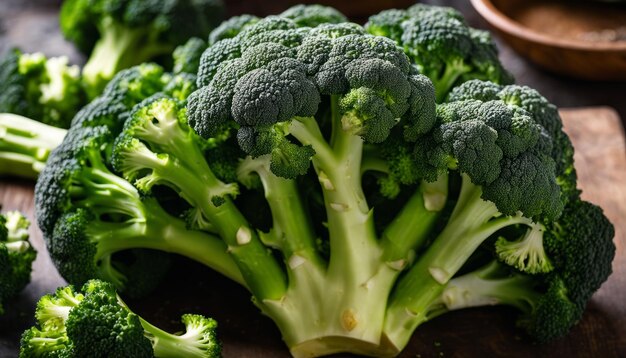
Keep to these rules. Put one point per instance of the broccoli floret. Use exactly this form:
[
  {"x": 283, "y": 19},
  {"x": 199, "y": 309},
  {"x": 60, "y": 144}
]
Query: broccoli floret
[
  {"x": 95, "y": 322},
  {"x": 123, "y": 33},
  {"x": 313, "y": 15},
  {"x": 47, "y": 90},
  {"x": 231, "y": 27},
  {"x": 187, "y": 56},
  {"x": 16, "y": 255},
  {"x": 441, "y": 45}
]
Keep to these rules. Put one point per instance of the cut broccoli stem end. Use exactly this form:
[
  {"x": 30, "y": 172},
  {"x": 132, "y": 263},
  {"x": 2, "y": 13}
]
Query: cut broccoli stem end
[
  {"x": 25, "y": 145},
  {"x": 473, "y": 220},
  {"x": 20, "y": 165},
  {"x": 319, "y": 316}
]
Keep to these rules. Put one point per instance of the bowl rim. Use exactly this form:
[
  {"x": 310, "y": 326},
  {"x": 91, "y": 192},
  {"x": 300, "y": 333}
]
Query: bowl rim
[{"x": 488, "y": 10}]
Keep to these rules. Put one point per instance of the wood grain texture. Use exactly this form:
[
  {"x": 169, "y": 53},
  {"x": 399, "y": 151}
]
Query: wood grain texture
[{"x": 601, "y": 162}]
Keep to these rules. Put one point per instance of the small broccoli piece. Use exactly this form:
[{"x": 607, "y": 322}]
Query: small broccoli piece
[
  {"x": 441, "y": 45},
  {"x": 313, "y": 15},
  {"x": 123, "y": 33},
  {"x": 16, "y": 255},
  {"x": 581, "y": 248},
  {"x": 47, "y": 90},
  {"x": 95, "y": 322},
  {"x": 187, "y": 56}
]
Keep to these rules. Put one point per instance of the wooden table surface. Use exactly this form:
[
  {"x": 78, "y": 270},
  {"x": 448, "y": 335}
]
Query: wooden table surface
[
  {"x": 601, "y": 163},
  {"x": 601, "y": 159}
]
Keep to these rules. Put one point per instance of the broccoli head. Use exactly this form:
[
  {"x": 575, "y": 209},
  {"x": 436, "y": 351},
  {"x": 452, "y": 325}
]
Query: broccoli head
[
  {"x": 441, "y": 45},
  {"x": 95, "y": 322},
  {"x": 123, "y": 33}
]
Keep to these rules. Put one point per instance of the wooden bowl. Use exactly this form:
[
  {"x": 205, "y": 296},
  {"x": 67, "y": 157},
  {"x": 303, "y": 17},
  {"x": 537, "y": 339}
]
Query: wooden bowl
[{"x": 584, "y": 39}]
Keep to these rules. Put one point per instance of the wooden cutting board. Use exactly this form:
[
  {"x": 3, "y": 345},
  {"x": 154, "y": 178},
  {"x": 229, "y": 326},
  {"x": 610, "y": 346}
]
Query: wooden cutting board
[{"x": 598, "y": 137}]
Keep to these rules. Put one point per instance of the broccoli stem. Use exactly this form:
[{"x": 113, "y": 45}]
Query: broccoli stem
[
  {"x": 292, "y": 231},
  {"x": 147, "y": 225},
  {"x": 160, "y": 231},
  {"x": 25, "y": 145},
  {"x": 491, "y": 285},
  {"x": 119, "y": 47},
  {"x": 356, "y": 284},
  {"x": 472, "y": 221},
  {"x": 188, "y": 172},
  {"x": 411, "y": 227},
  {"x": 167, "y": 345},
  {"x": 444, "y": 82}
]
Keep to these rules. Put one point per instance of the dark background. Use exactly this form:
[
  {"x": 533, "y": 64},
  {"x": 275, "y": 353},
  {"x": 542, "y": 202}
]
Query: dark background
[{"x": 33, "y": 26}]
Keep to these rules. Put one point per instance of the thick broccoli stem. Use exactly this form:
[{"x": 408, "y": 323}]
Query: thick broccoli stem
[
  {"x": 148, "y": 225},
  {"x": 357, "y": 281},
  {"x": 119, "y": 47},
  {"x": 25, "y": 145},
  {"x": 411, "y": 227},
  {"x": 167, "y": 345},
  {"x": 292, "y": 231},
  {"x": 471, "y": 223}
]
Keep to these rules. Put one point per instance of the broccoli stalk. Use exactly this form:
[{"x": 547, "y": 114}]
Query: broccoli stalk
[
  {"x": 119, "y": 47},
  {"x": 180, "y": 164},
  {"x": 473, "y": 220},
  {"x": 25, "y": 145},
  {"x": 96, "y": 322}
]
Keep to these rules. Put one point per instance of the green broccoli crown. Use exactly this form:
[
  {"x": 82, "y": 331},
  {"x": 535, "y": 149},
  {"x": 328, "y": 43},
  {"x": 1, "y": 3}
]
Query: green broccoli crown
[
  {"x": 442, "y": 46},
  {"x": 125, "y": 90},
  {"x": 581, "y": 246},
  {"x": 16, "y": 255},
  {"x": 313, "y": 15},
  {"x": 543, "y": 112},
  {"x": 187, "y": 56},
  {"x": 578, "y": 248},
  {"x": 135, "y": 84},
  {"x": 101, "y": 326},
  {"x": 499, "y": 148},
  {"x": 62, "y": 183},
  {"x": 169, "y": 22},
  {"x": 95, "y": 322},
  {"x": 180, "y": 86},
  {"x": 275, "y": 71},
  {"x": 45, "y": 89},
  {"x": 123, "y": 33},
  {"x": 231, "y": 27}
]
